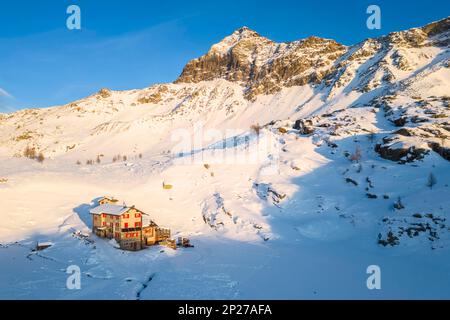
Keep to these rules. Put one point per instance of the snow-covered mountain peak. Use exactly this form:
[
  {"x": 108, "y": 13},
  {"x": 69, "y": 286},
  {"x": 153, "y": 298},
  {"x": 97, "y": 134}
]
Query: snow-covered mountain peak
[
  {"x": 244, "y": 35},
  {"x": 433, "y": 34},
  {"x": 262, "y": 65},
  {"x": 245, "y": 32},
  {"x": 244, "y": 76}
]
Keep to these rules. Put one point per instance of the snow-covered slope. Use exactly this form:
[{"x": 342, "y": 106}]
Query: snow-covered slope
[{"x": 294, "y": 167}]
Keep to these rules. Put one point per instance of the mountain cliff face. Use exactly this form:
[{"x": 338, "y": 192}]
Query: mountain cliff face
[{"x": 262, "y": 65}]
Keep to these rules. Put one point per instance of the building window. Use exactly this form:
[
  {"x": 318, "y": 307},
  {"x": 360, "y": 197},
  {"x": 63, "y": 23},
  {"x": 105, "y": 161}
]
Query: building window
[
  {"x": 137, "y": 215},
  {"x": 104, "y": 223},
  {"x": 126, "y": 225},
  {"x": 117, "y": 225},
  {"x": 137, "y": 224},
  {"x": 104, "y": 215}
]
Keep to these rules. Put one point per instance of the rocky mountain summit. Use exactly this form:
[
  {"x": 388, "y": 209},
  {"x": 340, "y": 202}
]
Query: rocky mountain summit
[{"x": 264, "y": 67}]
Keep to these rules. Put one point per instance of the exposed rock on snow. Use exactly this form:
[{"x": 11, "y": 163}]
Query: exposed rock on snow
[
  {"x": 425, "y": 227},
  {"x": 399, "y": 149}
]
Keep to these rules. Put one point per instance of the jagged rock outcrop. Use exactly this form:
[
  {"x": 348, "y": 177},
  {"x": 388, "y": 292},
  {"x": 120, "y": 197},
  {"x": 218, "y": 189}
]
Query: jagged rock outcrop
[
  {"x": 262, "y": 65},
  {"x": 396, "y": 149}
]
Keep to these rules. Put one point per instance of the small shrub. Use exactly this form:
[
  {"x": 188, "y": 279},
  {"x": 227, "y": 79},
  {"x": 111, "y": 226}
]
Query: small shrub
[
  {"x": 431, "y": 180},
  {"x": 282, "y": 130},
  {"x": 40, "y": 158},
  {"x": 256, "y": 128},
  {"x": 29, "y": 152},
  {"x": 117, "y": 158},
  {"x": 399, "y": 205},
  {"x": 371, "y": 137}
]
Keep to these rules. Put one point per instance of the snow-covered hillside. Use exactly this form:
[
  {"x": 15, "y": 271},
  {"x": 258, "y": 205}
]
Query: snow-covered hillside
[{"x": 294, "y": 167}]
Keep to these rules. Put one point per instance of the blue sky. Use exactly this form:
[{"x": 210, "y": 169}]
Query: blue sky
[{"x": 135, "y": 43}]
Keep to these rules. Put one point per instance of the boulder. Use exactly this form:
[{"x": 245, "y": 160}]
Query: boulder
[
  {"x": 304, "y": 126},
  {"x": 396, "y": 149},
  {"x": 439, "y": 149}
]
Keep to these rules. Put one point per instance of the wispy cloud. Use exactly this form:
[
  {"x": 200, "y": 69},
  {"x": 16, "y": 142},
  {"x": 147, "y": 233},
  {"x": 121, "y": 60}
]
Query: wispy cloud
[
  {"x": 60, "y": 66},
  {"x": 4, "y": 93},
  {"x": 5, "y": 99}
]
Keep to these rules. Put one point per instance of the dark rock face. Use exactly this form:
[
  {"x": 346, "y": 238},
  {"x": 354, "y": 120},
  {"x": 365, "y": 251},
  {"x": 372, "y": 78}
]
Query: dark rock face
[
  {"x": 442, "y": 151},
  {"x": 400, "y": 122},
  {"x": 399, "y": 153},
  {"x": 404, "y": 132},
  {"x": 304, "y": 126}
]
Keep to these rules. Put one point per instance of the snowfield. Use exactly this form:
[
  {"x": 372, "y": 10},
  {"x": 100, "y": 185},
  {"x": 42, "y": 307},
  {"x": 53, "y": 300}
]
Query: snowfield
[{"x": 291, "y": 195}]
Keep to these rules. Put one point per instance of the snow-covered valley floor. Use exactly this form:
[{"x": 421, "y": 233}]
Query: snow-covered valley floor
[{"x": 315, "y": 243}]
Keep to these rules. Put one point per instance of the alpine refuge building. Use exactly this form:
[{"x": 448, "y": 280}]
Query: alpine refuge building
[{"x": 124, "y": 224}]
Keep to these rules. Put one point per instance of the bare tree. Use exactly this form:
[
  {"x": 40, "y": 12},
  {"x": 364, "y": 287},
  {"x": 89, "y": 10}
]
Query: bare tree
[
  {"x": 399, "y": 204},
  {"x": 40, "y": 158},
  {"x": 371, "y": 136},
  {"x": 356, "y": 156}
]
